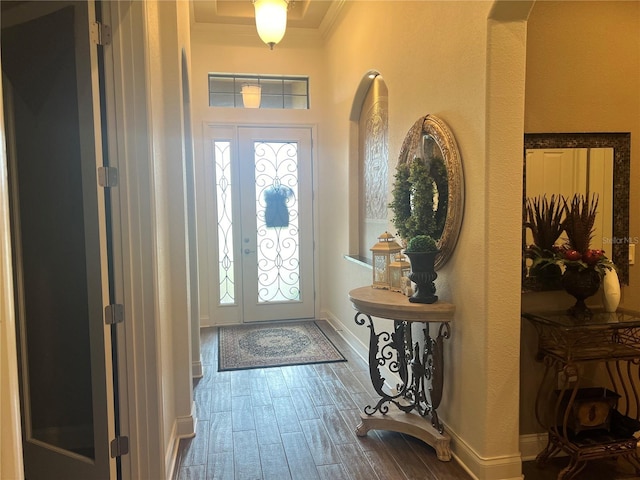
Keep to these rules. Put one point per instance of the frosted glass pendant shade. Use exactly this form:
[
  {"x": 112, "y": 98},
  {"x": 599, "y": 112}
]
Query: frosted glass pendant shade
[
  {"x": 271, "y": 20},
  {"x": 251, "y": 96}
]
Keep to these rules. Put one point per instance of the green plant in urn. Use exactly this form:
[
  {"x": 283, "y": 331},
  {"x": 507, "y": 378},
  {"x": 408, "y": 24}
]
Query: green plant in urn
[{"x": 422, "y": 251}]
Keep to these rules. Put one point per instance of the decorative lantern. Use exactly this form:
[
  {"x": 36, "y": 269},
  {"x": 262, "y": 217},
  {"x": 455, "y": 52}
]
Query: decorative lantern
[
  {"x": 383, "y": 253},
  {"x": 397, "y": 269}
]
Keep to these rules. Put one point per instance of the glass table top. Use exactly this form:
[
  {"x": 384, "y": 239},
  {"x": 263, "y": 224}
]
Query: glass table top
[{"x": 622, "y": 318}]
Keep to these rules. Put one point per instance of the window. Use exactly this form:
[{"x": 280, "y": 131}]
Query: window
[{"x": 277, "y": 91}]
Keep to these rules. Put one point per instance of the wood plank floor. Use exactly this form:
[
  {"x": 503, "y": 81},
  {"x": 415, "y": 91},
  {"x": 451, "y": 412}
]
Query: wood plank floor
[{"x": 296, "y": 423}]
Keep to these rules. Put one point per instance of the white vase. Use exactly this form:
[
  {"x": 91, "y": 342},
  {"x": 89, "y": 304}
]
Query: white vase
[{"x": 610, "y": 291}]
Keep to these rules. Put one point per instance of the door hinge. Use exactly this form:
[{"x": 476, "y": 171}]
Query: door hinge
[
  {"x": 107, "y": 176},
  {"x": 113, "y": 314},
  {"x": 119, "y": 446},
  {"x": 100, "y": 33}
]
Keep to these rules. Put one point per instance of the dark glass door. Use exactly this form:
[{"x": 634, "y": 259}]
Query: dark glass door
[{"x": 49, "y": 66}]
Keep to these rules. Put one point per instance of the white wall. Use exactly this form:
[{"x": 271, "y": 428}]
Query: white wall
[{"x": 167, "y": 33}]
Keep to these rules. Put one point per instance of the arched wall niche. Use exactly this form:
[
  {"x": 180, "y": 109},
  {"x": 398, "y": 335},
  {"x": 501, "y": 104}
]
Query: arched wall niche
[
  {"x": 361, "y": 93},
  {"x": 368, "y": 164}
]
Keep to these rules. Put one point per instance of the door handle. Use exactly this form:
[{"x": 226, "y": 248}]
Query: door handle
[{"x": 247, "y": 251}]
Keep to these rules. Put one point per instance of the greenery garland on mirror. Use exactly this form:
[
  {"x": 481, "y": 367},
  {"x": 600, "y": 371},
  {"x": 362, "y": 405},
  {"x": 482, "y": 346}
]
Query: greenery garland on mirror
[
  {"x": 401, "y": 204},
  {"x": 414, "y": 190}
]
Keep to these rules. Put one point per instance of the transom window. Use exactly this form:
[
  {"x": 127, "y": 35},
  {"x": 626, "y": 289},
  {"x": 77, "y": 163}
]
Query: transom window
[{"x": 225, "y": 90}]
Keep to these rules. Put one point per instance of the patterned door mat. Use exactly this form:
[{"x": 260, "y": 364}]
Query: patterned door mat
[{"x": 274, "y": 345}]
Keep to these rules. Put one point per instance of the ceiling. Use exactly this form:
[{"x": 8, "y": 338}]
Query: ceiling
[{"x": 302, "y": 13}]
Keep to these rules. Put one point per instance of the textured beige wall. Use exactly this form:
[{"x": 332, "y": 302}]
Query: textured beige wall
[
  {"x": 431, "y": 65},
  {"x": 583, "y": 75}
]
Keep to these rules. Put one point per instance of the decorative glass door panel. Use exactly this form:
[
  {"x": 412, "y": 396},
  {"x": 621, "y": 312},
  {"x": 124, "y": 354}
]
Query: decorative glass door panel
[
  {"x": 262, "y": 239},
  {"x": 224, "y": 203},
  {"x": 276, "y": 183}
]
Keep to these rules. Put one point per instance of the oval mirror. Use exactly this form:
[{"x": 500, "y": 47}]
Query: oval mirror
[{"x": 430, "y": 140}]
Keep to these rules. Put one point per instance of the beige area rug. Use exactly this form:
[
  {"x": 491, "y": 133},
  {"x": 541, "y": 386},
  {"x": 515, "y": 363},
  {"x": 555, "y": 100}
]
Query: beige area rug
[{"x": 274, "y": 345}]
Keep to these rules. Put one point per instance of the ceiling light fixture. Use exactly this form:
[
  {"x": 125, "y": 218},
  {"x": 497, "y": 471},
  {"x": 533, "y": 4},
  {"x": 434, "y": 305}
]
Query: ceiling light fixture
[
  {"x": 271, "y": 20},
  {"x": 251, "y": 96}
]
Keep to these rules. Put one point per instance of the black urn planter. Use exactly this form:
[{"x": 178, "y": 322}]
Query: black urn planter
[
  {"x": 581, "y": 284},
  {"x": 547, "y": 277},
  {"x": 423, "y": 275}
]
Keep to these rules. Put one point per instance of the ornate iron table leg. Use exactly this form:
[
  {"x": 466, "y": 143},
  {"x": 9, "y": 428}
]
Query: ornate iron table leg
[
  {"x": 397, "y": 352},
  {"x": 434, "y": 362}
]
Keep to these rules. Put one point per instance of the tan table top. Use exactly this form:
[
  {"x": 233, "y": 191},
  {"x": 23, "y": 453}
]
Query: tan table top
[{"x": 395, "y": 306}]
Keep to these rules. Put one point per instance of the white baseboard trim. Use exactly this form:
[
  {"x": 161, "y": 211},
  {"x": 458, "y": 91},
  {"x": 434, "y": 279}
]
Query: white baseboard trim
[
  {"x": 532, "y": 444},
  {"x": 183, "y": 427},
  {"x": 186, "y": 426},
  {"x": 171, "y": 455},
  {"x": 354, "y": 342},
  {"x": 196, "y": 369},
  {"x": 506, "y": 467}
]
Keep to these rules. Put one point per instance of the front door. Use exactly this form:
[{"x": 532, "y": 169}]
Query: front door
[
  {"x": 262, "y": 228},
  {"x": 58, "y": 215}
]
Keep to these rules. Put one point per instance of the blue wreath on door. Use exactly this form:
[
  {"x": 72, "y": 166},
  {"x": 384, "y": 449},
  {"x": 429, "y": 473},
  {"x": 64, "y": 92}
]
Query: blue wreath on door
[{"x": 277, "y": 212}]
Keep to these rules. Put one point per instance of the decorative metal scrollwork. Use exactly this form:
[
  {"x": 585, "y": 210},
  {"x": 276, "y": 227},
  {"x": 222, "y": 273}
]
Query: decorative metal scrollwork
[
  {"x": 277, "y": 209},
  {"x": 421, "y": 373},
  {"x": 226, "y": 262}
]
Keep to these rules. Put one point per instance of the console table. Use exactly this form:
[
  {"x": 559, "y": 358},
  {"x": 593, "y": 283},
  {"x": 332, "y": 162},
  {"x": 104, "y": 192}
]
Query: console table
[
  {"x": 419, "y": 365},
  {"x": 588, "y": 418}
]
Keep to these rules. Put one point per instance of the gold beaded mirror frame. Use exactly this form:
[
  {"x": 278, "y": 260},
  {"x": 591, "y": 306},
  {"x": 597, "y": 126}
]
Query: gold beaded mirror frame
[{"x": 431, "y": 140}]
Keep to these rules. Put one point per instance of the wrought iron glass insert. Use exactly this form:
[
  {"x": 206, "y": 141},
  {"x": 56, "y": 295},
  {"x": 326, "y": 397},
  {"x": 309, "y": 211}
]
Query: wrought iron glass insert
[
  {"x": 222, "y": 160},
  {"x": 277, "y": 91},
  {"x": 277, "y": 235}
]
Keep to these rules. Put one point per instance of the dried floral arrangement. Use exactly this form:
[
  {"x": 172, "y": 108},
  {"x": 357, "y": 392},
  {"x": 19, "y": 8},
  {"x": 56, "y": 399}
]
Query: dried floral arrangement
[{"x": 576, "y": 217}]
